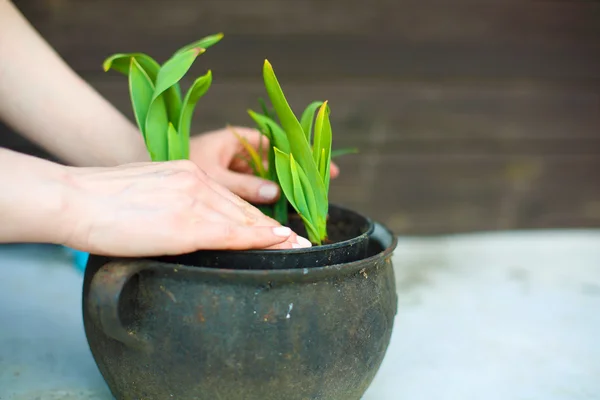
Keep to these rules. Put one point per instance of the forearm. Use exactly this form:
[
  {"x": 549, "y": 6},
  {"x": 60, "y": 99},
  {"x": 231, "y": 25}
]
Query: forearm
[
  {"x": 47, "y": 102},
  {"x": 33, "y": 204}
]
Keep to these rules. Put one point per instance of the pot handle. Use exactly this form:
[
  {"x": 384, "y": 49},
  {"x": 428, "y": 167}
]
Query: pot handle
[{"x": 103, "y": 301}]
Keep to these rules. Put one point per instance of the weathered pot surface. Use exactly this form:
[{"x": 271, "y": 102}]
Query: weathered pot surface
[{"x": 162, "y": 330}]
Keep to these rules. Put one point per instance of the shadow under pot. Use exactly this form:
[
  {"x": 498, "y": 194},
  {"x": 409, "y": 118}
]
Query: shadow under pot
[{"x": 172, "y": 330}]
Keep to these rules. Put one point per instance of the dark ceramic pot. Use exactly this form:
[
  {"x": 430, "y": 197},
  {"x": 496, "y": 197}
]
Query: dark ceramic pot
[{"x": 161, "y": 330}]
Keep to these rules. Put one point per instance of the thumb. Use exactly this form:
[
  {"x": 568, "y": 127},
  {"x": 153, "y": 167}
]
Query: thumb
[{"x": 249, "y": 187}]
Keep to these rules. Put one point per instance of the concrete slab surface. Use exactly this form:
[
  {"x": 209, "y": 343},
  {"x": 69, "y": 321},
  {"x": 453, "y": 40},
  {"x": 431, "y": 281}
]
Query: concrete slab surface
[{"x": 498, "y": 316}]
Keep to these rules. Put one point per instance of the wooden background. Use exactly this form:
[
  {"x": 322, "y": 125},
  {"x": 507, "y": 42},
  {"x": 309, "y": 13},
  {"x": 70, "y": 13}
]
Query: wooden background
[{"x": 469, "y": 115}]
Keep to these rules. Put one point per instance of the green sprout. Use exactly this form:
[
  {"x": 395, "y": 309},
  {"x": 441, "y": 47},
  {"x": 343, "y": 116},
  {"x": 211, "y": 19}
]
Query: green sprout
[
  {"x": 299, "y": 157},
  {"x": 162, "y": 116}
]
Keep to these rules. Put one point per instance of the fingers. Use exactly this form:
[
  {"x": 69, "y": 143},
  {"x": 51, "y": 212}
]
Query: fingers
[
  {"x": 236, "y": 237},
  {"x": 253, "y": 136},
  {"x": 238, "y": 201},
  {"x": 249, "y": 187},
  {"x": 244, "y": 213},
  {"x": 334, "y": 170},
  {"x": 254, "y": 139}
]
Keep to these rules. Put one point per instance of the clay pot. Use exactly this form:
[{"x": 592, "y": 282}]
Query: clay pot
[{"x": 178, "y": 329}]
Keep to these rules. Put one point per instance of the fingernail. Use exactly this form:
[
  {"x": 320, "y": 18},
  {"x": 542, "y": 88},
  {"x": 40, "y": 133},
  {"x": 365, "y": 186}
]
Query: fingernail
[
  {"x": 296, "y": 246},
  {"x": 268, "y": 192},
  {"x": 303, "y": 242},
  {"x": 282, "y": 231}
]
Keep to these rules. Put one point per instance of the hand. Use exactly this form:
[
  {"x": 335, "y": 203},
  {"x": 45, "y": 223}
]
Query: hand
[
  {"x": 169, "y": 208},
  {"x": 216, "y": 153}
]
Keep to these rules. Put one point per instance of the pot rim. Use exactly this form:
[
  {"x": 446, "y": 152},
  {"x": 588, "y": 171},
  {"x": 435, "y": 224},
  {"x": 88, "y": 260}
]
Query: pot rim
[
  {"x": 313, "y": 249},
  {"x": 290, "y": 274}
]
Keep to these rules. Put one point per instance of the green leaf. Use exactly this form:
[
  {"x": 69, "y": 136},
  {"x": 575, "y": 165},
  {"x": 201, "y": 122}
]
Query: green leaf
[
  {"x": 313, "y": 234},
  {"x": 324, "y": 168},
  {"x": 271, "y": 160},
  {"x": 174, "y": 144},
  {"x": 299, "y": 146},
  {"x": 256, "y": 160},
  {"x": 277, "y": 137},
  {"x": 322, "y": 144},
  {"x": 344, "y": 151},
  {"x": 157, "y": 125},
  {"x": 280, "y": 209},
  {"x": 195, "y": 92},
  {"x": 288, "y": 120},
  {"x": 158, "y": 116},
  {"x": 267, "y": 210},
  {"x": 284, "y": 174},
  {"x": 204, "y": 43},
  {"x": 286, "y": 180},
  {"x": 121, "y": 63},
  {"x": 299, "y": 195},
  {"x": 264, "y": 108},
  {"x": 307, "y": 119},
  {"x": 316, "y": 219},
  {"x": 140, "y": 91},
  {"x": 174, "y": 69}
]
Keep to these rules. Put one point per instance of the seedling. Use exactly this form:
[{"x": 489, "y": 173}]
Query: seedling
[
  {"x": 162, "y": 116},
  {"x": 299, "y": 157}
]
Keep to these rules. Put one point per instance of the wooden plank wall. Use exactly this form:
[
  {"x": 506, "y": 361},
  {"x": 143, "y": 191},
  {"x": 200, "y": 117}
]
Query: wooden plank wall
[{"x": 469, "y": 115}]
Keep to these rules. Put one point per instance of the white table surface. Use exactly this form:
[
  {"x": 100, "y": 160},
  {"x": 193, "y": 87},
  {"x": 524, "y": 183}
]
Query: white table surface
[{"x": 496, "y": 316}]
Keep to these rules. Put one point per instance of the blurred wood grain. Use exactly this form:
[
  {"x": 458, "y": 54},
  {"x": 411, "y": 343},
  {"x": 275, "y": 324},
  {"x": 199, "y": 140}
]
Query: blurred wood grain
[
  {"x": 469, "y": 115},
  {"x": 337, "y": 39}
]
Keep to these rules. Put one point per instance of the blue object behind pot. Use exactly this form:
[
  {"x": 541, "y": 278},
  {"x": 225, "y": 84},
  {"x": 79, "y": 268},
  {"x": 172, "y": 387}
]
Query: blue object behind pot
[{"x": 80, "y": 258}]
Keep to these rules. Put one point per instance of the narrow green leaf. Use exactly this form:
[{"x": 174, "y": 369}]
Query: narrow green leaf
[
  {"x": 264, "y": 108},
  {"x": 158, "y": 116},
  {"x": 204, "y": 43},
  {"x": 299, "y": 195},
  {"x": 261, "y": 143},
  {"x": 271, "y": 159},
  {"x": 156, "y": 130},
  {"x": 174, "y": 144},
  {"x": 286, "y": 180},
  {"x": 256, "y": 160},
  {"x": 284, "y": 174},
  {"x": 343, "y": 152},
  {"x": 278, "y": 137},
  {"x": 157, "y": 125},
  {"x": 319, "y": 219},
  {"x": 288, "y": 120},
  {"x": 299, "y": 146},
  {"x": 247, "y": 160},
  {"x": 307, "y": 119},
  {"x": 267, "y": 210},
  {"x": 174, "y": 69},
  {"x": 121, "y": 63},
  {"x": 322, "y": 144},
  {"x": 140, "y": 91},
  {"x": 280, "y": 209},
  {"x": 316, "y": 151},
  {"x": 324, "y": 168},
  {"x": 194, "y": 93}
]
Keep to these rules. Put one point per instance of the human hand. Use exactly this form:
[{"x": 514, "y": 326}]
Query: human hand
[
  {"x": 216, "y": 153},
  {"x": 151, "y": 209}
]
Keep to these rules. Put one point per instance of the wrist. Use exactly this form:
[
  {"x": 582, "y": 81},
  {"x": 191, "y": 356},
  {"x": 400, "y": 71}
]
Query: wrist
[{"x": 34, "y": 206}]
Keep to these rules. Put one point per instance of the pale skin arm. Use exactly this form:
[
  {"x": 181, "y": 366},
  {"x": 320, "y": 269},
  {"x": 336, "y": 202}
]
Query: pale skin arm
[
  {"x": 53, "y": 107},
  {"x": 63, "y": 114},
  {"x": 134, "y": 210}
]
